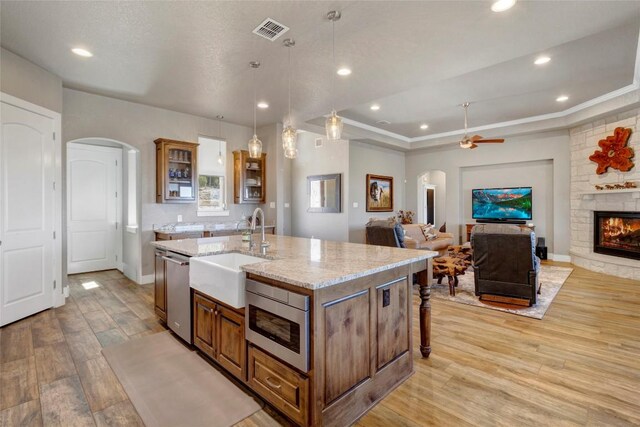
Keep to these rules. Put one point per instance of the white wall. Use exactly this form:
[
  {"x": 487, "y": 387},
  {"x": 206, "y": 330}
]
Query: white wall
[
  {"x": 332, "y": 157},
  {"x": 537, "y": 174},
  {"x": 88, "y": 115},
  {"x": 25, "y": 80},
  {"x": 584, "y": 141},
  {"x": 547, "y": 146},
  {"x": 369, "y": 159}
]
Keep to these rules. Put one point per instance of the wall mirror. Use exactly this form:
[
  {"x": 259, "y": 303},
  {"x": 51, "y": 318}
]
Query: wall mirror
[{"x": 324, "y": 193}]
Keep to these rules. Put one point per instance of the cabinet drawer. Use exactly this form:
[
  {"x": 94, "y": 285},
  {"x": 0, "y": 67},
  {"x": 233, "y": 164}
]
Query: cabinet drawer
[{"x": 280, "y": 385}]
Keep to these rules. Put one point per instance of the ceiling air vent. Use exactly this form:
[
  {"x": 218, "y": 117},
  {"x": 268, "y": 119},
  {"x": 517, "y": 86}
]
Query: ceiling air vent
[
  {"x": 270, "y": 29},
  {"x": 318, "y": 142}
]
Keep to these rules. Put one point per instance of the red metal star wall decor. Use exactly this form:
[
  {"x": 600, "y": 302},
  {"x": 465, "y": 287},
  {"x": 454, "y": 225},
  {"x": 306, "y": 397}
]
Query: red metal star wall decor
[{"x": 615, "y": 152}]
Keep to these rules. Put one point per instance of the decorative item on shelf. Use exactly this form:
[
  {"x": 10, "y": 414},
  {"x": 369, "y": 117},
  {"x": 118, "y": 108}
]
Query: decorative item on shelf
[
  {"x": 255, "y": 145},
  {"x": 289, "y": 133},
  {"x": 405, "y": 217},
  {"x": 624, "y": 186},
  {"x": 333, "y": 125},
  {"x": 614, "y": 153},
  {"x": 379, "y": 193}
]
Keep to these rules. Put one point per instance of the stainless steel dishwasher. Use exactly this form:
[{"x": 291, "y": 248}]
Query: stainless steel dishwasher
[{"x": 178, "y": 295}]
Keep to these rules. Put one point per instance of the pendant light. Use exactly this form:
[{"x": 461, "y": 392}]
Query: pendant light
[
  {"x": 220, "y": 159},
  {"x": 333, "y": 125},
  {"x": 255, "y": 145},
  {"x": 289, "y": 133}
]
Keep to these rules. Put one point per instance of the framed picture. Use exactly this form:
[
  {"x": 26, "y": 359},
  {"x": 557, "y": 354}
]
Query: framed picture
[{"x": 379, "y": 193}]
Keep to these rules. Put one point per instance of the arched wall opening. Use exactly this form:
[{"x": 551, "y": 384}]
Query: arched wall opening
[{"x": 432, "y": 197}]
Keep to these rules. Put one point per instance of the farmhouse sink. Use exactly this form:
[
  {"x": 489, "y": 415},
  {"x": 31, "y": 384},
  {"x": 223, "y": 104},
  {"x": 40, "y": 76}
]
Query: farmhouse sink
[{"x": 220, "y": 276}]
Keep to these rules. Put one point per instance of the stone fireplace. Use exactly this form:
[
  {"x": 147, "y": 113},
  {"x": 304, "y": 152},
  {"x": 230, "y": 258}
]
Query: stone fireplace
[
  {"x": 617, "y": 234},
  {"x": 602, "y": 221}
]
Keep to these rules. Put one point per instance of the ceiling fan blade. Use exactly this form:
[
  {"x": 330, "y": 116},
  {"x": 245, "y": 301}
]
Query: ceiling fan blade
[
  {"x": 473, "y": 146},
  {"x": 475, "y": 138},
  {"x": 489, "y": 141}
]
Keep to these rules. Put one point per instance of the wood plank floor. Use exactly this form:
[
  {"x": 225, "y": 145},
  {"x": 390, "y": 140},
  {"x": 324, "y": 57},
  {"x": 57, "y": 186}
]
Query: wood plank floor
[{"x": 580, "y": 365}]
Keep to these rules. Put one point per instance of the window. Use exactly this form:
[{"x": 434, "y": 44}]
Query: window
[{"x": 212, "y": 183}]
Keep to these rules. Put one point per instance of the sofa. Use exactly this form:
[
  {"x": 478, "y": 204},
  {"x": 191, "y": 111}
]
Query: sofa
[
  {"x": 505, "y": 263},
  {"x": 415, "y": 239}
]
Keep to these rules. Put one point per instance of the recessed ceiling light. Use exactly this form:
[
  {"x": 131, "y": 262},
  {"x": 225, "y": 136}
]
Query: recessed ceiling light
[
  {"x": 383, "y": 122},
  {"x": 502, "y": 5},
  {"x": 344, "y": 71},
  {"x": 562, "y": 98},
  {"x": 263, "y": 105},
  {"x": 82, "y": 52},
  {"x": 542, "y": 60},
  {"x": 424, "y": 126},
  {"x": 375, "y": 107}
]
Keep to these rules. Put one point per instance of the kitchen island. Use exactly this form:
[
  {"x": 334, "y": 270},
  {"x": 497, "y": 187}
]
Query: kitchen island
[{"x": 359, "y": 322}]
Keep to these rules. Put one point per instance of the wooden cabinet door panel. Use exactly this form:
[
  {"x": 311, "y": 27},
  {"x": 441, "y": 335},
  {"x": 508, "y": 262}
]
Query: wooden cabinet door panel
[
  {"x": 347, "y": 345},
  {"x": 392, "y": 321},
  {"x": 204, "y": 325},
  {"x": 160, "y": 289},
  {"x": 231, "y": 344},
  {"x": 280, "y": 385}
]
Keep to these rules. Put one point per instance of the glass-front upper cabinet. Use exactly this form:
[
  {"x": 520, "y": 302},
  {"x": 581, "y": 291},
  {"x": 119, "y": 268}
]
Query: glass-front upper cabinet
[
  {"x": 176, "y": 171},
  {"x": 249, "y": 178}
]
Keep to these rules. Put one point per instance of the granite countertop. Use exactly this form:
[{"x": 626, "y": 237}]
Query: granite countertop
[
  {"x": 174, "y": 228},
  {"x": 307, "y": 263}
]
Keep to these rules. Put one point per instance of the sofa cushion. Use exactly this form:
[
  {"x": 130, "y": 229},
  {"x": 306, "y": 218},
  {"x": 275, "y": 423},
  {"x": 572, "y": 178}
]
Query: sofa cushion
[{"x": 428, "y": 231}]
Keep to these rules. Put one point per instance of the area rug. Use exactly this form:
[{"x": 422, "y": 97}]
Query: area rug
[
  {"x": 551, "y": 277},
  {"x": 169, "y": 385}
]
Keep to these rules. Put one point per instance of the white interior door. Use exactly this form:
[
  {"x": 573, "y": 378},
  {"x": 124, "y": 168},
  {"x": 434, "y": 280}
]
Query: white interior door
[
  {"x": 93, "y": 225},
  {"x": 26, "y": 213}
]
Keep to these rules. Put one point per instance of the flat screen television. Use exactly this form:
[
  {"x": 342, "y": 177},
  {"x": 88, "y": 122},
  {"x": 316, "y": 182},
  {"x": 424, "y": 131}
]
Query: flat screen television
[{"x": 501, "y": 204}]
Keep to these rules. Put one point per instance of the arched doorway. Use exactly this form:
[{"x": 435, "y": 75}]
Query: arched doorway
[
  {"x": 103, "y": 204},
  {"x": 432, "y": 190}
]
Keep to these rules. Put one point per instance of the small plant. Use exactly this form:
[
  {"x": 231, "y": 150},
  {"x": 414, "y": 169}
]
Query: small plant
[{"x": 405, "y": 217}]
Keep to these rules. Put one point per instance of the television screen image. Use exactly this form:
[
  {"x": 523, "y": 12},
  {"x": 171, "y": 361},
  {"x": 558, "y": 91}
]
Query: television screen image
[{"x": 502, "y": 204}]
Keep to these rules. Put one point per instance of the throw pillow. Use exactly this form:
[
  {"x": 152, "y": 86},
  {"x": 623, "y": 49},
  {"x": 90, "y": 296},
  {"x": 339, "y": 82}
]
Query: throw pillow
[{"x": 428, "y": 231}]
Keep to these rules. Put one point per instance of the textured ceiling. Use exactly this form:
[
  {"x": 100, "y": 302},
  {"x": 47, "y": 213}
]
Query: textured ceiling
[{"x": 418, "y": 60}]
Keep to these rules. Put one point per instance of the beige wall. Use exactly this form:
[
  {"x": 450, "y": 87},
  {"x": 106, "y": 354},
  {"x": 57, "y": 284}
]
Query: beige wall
[
  {"x": 332, "y": 157},
  {"x": 368, "y": 159},
  {"x": 87, "y": 115},
  {"x": 25, "y": 80},
  {"x": 540, "y": 147}
]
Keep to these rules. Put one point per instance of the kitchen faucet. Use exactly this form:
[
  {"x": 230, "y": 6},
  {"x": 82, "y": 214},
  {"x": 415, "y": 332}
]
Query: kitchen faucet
[{"x": 263, "y": 244}]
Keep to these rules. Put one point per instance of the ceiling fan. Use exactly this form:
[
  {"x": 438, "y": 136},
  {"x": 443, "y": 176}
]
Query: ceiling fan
[{"x": 472, "y": 141}]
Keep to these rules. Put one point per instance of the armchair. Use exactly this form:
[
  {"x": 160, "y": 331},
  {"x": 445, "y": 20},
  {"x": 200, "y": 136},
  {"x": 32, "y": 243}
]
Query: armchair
[
  {"x": 504, "y": 262},
  {"x": 384, "y": 233}
]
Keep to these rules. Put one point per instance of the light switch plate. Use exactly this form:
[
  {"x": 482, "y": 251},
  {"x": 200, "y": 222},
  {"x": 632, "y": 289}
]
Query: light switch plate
[
  {"x": 355, "y": 204},
  {"x": 272, "y": 205},
  {"x": 286, "y": 205},
  {"x": 179, "y": 218}
]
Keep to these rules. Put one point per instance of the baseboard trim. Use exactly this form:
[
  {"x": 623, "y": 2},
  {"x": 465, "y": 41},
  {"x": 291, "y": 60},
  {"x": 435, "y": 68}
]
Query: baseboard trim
[
  {"x": 560, "y": 258},
  {"x": 146, "y": 279}
]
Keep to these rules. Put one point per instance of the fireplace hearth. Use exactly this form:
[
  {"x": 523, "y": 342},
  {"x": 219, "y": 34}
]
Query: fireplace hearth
[{"x": 617, "y": 233}]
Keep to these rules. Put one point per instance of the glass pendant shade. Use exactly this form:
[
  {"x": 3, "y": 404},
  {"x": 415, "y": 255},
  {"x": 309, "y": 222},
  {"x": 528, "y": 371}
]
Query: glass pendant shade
[
  {"x": 333, "y": 126},
  {"x": 220, "y": 158},
  {"x": 291, "y": 153},
  {"x": 255, "y": 147},
  {"x": 289, "y": 140}
]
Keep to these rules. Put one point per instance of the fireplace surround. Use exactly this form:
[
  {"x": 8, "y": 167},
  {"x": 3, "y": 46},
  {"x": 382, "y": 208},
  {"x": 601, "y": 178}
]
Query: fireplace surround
[{"x": 617, "y": 233}]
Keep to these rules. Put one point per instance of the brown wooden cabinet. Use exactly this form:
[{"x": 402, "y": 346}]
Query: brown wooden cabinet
[
  {"x": 204, "y": 324},
  {"x": 218, "y": 331},
  {"x": 280, "y": 385},
  {"x": 176, "y": 171},
  {"x": 160, "y": 287},
  {"x": 249, "y": 178}
]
